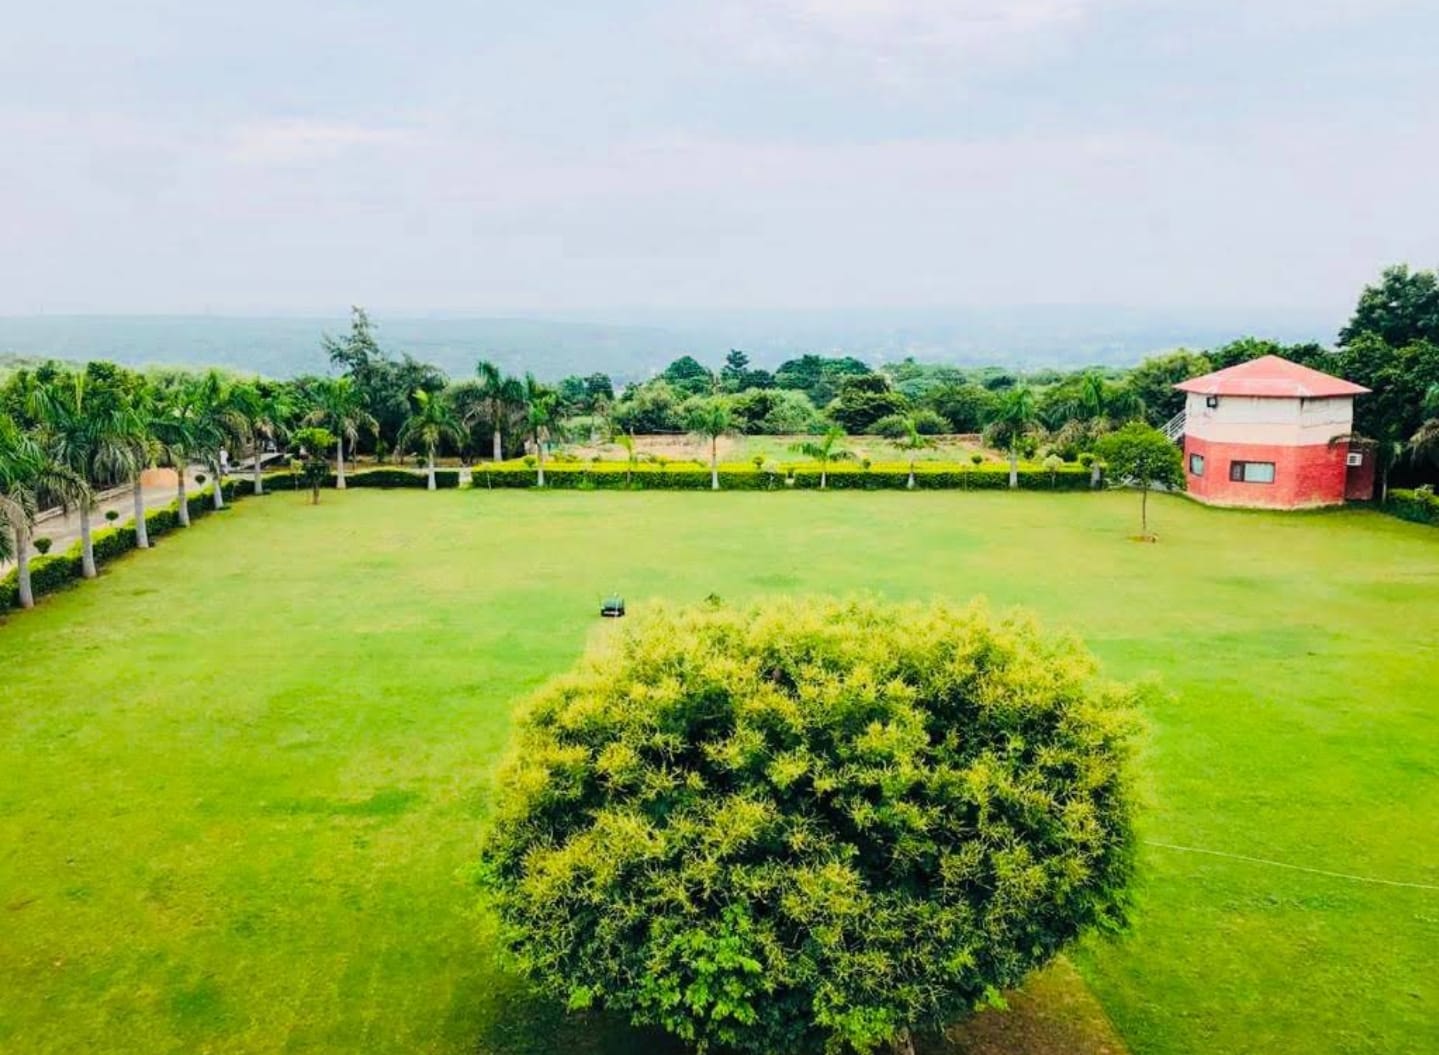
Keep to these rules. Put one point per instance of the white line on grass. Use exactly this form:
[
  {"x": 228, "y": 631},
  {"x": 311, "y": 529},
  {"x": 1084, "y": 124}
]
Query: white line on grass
[{"x": 1295, "y": 868}]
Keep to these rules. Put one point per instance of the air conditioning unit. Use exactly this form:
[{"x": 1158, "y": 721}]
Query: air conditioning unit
[{"x": 1354, "y": 458}]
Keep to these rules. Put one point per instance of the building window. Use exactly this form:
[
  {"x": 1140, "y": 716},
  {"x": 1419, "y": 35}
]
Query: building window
[
  {"x": 1251, "y": 472},
  {"x": 1196, "y": 464},
  {"x": 1212, "y": 402},
  {"x": 1354, "y": 458}
]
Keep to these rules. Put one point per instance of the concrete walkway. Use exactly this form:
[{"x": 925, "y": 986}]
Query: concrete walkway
[{"x": 64, "y": 529}]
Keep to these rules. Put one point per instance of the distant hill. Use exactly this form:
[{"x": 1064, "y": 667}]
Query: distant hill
[{"x": 635, "y": 345}]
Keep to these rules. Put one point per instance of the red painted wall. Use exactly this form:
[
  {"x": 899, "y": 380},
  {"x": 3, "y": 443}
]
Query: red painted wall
[
  {"x": 1359, "y": 482},
  {"x": 1313, "y": 475}
]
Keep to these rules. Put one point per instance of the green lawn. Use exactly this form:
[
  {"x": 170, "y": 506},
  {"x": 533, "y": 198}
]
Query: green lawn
[{"x": 241, "y": 777}]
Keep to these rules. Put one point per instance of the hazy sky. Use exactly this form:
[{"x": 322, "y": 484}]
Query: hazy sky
[{"x": 511, "y": 157}]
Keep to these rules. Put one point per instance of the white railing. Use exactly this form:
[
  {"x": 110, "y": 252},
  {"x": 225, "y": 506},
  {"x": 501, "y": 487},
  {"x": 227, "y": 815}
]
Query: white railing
[{"x": 1174, "y": 428}]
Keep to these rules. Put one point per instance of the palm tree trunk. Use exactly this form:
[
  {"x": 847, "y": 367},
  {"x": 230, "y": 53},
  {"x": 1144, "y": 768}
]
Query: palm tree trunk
[
  {"x": 259, "y": 480},
  {"x": 219, "y": 486},
  {"x": 430, "y": 484},
  {"x": 714, "y": 463},
  {"x": 22, "y": 568},
  {"x": 183, "y": 510},
  {"x": 910, "y": 484},
  {"x": 340, "y": 464},
  {"x": 87, "y": 547},
  {"x": 142, "y": 530},
  {"x": 1094, "y": 476},
  {"x": 499, "y": 451},
  {"x": 1144, "y": 511},
  {"x": 1013, "y": 468},
  {"x": 540, "y": 462},
  {"x": 823, "y": 473}
]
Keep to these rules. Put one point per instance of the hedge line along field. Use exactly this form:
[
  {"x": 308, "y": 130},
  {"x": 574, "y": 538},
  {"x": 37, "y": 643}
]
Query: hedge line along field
[{"x": 241, "y": 776}]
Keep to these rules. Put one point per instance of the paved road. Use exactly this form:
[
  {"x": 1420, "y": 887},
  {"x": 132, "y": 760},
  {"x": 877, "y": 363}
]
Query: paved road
[{"x": 65, "y": 529}]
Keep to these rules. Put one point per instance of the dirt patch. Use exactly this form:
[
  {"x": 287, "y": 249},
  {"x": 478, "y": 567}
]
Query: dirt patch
[{"x": 1054, "y": 1014}]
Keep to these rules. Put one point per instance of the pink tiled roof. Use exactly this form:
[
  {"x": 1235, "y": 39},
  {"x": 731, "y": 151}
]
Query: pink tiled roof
[{"x": 1269, "y": 375}]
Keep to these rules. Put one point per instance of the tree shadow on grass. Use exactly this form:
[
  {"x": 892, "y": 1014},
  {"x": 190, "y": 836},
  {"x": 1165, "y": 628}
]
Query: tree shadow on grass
[
  {"x": 1054, "y": 1014},
  {"x": 512, "y": 1019}
]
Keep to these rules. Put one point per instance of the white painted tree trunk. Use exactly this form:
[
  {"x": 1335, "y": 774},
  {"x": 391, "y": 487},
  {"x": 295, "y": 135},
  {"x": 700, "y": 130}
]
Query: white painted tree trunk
[
  {"x": 219, "y": 489},
  {"x": 823, "y": 475},
  {"x": 340, "y": 464},
  {"x": 87, "y": 547},
  {"x": 259, "y": 479},
  {"x": 142, "y": 530},
  {"x": 1013, "y": 468},
  {"x": 430, "y": 484},
  {"x": 22, "y": 568},
  {"x": 183, "y": 512},
  {"x": 910, "y": 485},
  {"x": 540, "y": 463},
  {"x": 1094, "y": 472},
  {"x": 499, "y": 451},
  {"x": 714, "y": 464}
]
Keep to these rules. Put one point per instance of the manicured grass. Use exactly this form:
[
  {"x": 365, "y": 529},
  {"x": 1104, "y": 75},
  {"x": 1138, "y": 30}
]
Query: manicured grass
[{"x": 241, "y": 777}]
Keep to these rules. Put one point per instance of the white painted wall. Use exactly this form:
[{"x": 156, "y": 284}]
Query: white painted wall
[{"x": 1252, "y": 419}]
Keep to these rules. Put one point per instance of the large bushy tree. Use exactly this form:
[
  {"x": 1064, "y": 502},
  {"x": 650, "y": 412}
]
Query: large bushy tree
[
  {"x": 811, "y": 826},
  {"x": 1401, "y": 308}
]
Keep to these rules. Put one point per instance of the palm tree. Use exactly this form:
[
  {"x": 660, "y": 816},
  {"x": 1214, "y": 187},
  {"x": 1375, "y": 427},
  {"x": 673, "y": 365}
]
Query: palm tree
[
  {"x": 267, "y": 411},
  {"x": 824, "y": 451},
  {"x": 500, "y": 398},
  {"x": 1425, "y": 442},
  {"x": 177, "y": 440},
  {"x": 432, "y": 422},
  {"x": 219, "y": 425},
  {"x": 340, "y": 407},
  {"x": 1015, "y": 417},
  {"x": 138, "y": 426},
  {"x": 539, "y": 416},
  {"x": 913, "y": 441},
  {"x": 84, "y": 427},
  {"x": 710, "y": 419},
  {"x": 27, "y": 471},
  {"x": 627, "y": 441}
]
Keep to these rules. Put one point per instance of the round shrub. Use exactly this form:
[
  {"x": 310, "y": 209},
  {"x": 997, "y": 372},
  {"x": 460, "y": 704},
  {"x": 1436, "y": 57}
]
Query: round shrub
[
  {"x": 806, "y": 825},
  {"x": 112, "y": 515},
  {"x": 42, "y": 544}
]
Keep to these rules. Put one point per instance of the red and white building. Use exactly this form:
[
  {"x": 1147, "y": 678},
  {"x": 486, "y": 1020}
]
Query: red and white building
[{"x": 1272, "y": 434}]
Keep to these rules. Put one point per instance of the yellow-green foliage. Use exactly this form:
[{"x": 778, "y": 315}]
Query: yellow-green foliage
[{"x": 811, "y": 824}]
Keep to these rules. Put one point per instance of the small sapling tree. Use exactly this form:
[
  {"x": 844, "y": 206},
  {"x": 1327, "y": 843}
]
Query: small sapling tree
[
  {"x": 811, "y": 826},
  {"x": 1146, "y": 458},
  {"x": 312, "y": 443}
]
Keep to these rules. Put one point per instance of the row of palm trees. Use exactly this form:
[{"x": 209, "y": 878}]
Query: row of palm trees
[{"x": 70, "y": 435}]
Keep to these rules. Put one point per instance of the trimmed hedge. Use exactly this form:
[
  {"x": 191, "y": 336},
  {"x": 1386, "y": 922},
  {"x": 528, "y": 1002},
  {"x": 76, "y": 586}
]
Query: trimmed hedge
[
  {"x": 50, "y": 573},
  {"x": 445, "y": 479},
  {"x": 1422, "y": 507},
  {"x": 844, "y": 476}
]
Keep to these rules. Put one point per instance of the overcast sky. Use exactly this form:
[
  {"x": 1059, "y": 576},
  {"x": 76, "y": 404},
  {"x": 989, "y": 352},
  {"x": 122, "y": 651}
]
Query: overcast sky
[{"x": 276, "y": 155}]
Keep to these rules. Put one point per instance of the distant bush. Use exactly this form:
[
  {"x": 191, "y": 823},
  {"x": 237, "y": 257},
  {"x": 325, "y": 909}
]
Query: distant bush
[
  {"x": 42, "y": 544},
  {"x": 811, "y": 826},
  {"x": 744, "y": 477},
  {"x": 385, "y": 478},
  {"x": 1420, "y": 506}
]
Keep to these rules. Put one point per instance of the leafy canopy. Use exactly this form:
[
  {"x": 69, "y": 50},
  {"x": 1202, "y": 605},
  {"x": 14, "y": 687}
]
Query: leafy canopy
[{"x": 811, "y": 824}]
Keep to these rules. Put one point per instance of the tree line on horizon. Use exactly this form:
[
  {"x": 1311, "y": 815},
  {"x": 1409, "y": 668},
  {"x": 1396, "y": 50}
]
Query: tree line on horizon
[{"x": 68, "y": 431}]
